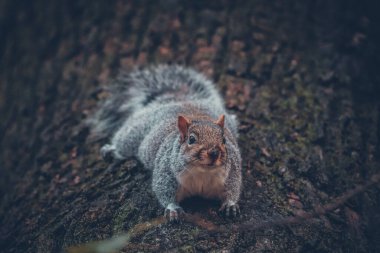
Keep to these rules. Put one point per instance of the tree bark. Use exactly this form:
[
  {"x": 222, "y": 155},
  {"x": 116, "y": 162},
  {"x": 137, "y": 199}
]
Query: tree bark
[{"x": 302, "y": 76}]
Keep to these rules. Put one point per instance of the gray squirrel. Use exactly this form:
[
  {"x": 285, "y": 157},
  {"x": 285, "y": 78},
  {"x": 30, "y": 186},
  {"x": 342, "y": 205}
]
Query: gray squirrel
[{"x": 174, "y": 121}]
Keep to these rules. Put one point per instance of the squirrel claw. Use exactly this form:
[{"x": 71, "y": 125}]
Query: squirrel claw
[
  {"x": 173, "y": 211},
  {"x": 231, "y": 209}
]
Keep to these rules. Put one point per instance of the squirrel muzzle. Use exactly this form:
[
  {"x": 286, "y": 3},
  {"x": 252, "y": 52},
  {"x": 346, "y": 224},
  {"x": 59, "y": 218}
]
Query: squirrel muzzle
[{"x": 214, "y": 156}]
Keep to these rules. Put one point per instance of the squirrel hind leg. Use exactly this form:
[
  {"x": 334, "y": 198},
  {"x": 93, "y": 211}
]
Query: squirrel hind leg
[
  {"x": 109, "y": 154},
  {"x": 173, "y": 212}
]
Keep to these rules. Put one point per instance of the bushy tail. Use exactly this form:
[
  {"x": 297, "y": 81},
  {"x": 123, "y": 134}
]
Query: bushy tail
[
  {"x": 169, "y": 83},
  {"x": 163, "y": 83},
  {"x": 111, "y": 113}
]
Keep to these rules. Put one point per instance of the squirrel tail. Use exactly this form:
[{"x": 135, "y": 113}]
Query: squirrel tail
[
  {"x": 166, "y": 83},
  {"x": 163, "y": 83},
  {"x": 111, "y": 113}
]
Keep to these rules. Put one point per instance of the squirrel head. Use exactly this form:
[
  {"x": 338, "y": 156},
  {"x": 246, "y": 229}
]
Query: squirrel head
[{"x": 203, "y": 141}]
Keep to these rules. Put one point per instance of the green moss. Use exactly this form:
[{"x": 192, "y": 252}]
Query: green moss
[{"x": 122, "y": 216}]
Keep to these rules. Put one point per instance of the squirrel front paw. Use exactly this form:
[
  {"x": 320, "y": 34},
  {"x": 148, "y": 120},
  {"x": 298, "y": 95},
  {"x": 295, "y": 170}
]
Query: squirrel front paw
[
  {"x": 173, "y": 211},
  {"x": 230, "y": 208}
]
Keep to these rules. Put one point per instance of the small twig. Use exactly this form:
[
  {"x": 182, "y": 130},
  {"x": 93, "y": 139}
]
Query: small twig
[
  {"x": 300, "y": 218},
  {"x": 308, "y": 216},
  {"x": 121, "y": 241}
]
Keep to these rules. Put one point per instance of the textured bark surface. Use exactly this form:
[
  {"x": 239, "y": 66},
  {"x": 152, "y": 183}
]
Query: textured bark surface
[{"x": 303, "y": 77}]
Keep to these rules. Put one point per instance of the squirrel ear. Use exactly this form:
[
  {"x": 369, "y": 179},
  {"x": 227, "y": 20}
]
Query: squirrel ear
[
  {"x": 220, "y": 121},
  {"x": 183, "y": 126}
]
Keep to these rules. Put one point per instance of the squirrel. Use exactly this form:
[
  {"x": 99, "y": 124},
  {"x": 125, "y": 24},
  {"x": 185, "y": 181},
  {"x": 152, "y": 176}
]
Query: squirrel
[{"x": 174, "y": 121}]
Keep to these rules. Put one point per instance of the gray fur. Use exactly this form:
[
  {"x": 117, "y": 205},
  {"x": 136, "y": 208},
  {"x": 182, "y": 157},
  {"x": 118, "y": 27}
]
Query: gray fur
[{"x": 142, "y": 119}]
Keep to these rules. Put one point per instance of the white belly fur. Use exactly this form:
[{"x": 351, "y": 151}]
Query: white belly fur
[{"x": 197, "y": 181}]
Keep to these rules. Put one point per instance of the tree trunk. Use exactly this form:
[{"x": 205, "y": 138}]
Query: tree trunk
[{"x": 302, "y": 76}]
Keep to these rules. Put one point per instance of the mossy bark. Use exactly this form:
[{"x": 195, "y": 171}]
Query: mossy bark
[{"x": 302, "y": 76}]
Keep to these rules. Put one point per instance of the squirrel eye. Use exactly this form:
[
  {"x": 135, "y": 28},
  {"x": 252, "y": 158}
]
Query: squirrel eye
[{"x": 192, "y": 139}]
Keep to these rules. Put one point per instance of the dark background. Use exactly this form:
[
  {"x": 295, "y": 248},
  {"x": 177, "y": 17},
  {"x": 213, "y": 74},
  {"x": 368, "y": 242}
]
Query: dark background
[{"x": 302, "y": 76}]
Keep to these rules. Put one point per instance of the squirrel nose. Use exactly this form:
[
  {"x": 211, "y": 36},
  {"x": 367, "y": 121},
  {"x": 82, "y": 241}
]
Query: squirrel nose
[{"x": 214, "y": 153}]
